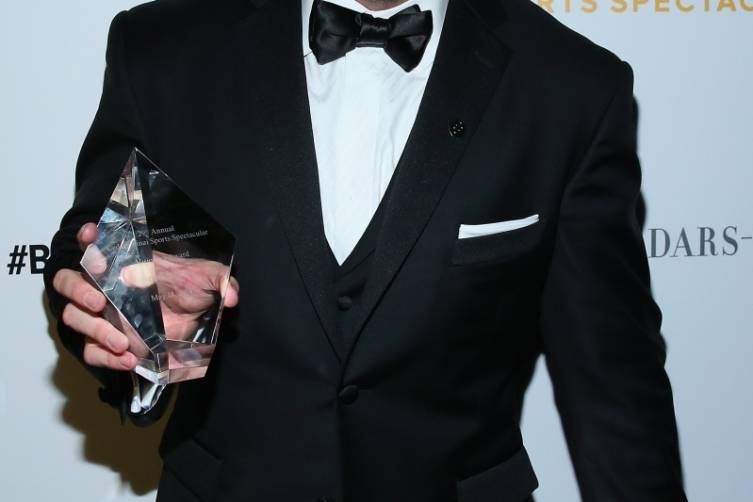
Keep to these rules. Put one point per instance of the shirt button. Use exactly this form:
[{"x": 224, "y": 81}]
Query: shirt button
[
  {"x": 457, "y": 128},
  {"x": 344, "y": 302},
  {"x": 348, "y": 394}
]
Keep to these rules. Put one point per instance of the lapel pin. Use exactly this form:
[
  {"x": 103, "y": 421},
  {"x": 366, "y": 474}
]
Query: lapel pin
[{"x": 457, "y": 128}]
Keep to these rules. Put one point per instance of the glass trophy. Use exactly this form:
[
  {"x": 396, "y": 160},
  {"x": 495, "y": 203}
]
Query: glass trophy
[{"x": 163, "y": 263}]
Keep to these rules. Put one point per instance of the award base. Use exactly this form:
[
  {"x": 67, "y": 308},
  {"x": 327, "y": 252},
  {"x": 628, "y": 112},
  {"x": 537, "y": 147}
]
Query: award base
[{"x": 186, "y": 361}]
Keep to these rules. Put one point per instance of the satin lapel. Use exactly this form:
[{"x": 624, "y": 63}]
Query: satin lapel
[
  {"x": 468, "y": 66},
  {"x": 270, "y": 49}
]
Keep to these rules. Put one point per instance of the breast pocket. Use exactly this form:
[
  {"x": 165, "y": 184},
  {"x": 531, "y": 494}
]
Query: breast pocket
[{"x": 515, "y": 238}]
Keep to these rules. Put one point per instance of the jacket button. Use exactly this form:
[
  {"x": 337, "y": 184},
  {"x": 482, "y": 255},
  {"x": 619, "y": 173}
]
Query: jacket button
[
  {"x": 348, "y": 394},
  {"x": 457, "y": 128},
  {"x": 344, "y": 302}
]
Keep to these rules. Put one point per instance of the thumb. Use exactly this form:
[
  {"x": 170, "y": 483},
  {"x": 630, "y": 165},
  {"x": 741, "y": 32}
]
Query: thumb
[{"x": 232, "y": 294}]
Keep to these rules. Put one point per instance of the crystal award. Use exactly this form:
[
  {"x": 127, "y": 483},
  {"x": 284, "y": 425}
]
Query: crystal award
[{"x": 163, "y": 263}]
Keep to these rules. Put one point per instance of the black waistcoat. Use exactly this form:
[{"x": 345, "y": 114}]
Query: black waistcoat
[{"x": 350, "y": 277}]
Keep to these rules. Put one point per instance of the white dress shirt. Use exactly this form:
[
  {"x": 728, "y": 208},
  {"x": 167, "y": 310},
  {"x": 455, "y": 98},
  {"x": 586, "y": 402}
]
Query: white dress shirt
[{"x": 363, "y": 107}]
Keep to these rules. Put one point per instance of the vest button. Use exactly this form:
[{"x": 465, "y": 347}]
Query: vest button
[
  {"x": 344, "y": 302},
  {"x": 348, "y": 394}
]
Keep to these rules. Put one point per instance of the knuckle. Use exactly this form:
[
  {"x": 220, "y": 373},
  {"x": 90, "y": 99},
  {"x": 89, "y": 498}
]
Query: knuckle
[
  {"x": 58, "y": 279},
  {"x": 90, "y": 354},
  {"x": 80, "y": 233},
  {"x": 80, "y": 291},
  {"x": 100, "y": 331},
  {"x": 68, "y": 314}
]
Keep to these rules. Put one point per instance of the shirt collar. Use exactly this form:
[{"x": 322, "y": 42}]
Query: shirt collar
[{"x": 438, "y": 9}]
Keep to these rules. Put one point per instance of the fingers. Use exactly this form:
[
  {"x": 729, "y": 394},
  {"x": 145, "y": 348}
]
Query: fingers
[
  {"x": 210, "y": 275},
  {"x": 97, "y": 355},
  {"x": 95, "y": 328},
  {"x": 105, "y": 346},
  {"x": 72, "y": 285},
  {"x": 86, "y": 235}
]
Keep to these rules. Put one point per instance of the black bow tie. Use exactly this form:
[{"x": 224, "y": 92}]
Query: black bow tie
[{"x": 335, "y": 31}]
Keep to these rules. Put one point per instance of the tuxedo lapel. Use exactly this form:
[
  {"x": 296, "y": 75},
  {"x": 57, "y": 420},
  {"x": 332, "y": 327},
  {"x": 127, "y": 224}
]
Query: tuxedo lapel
[
  {"x": 468, "y": 66},
  {"x": 270, "y": 49}
]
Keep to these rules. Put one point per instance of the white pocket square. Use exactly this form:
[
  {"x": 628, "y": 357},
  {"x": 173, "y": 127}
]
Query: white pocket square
[{"x": 497, "y": 227}]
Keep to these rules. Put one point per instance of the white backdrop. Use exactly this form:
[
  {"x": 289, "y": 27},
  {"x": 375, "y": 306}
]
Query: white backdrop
[{"x": 694, "y": 80}]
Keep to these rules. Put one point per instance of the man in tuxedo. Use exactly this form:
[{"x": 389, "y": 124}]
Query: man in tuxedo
[{"x": 426, "y": 196}]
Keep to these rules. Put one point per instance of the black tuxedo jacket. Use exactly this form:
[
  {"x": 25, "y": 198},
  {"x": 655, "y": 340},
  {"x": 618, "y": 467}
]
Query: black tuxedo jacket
[{"x": 444, "y": 345}]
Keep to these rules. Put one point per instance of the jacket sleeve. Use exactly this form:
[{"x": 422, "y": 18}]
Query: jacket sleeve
[
  {"x": 116, "y": 129},
  {"x": 601, "y": 327}
]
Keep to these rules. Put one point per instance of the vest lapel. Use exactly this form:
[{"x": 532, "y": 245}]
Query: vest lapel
[{"x": 468, "y": 67}]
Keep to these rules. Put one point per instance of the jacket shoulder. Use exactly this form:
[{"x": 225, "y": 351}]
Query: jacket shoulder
[
  {"x": 567, "y": 57},
  {"x": 186, "y": 14},
  {"x": 166, "y": 25}
]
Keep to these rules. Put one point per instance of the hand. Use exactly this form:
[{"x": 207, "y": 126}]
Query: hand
[
  {"x": 105, "y": 346},
  {"x": 188, "y": 287}
]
